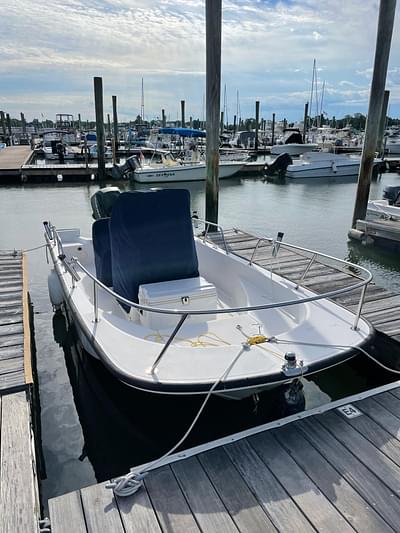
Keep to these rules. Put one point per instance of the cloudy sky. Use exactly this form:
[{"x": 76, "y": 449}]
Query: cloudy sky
[{"x": 51, "y": 51}]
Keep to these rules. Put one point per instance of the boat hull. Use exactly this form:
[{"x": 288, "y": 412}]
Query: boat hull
[
  {"x": 324, "y": 171},
  {"x": 293, "y": 149},
  {"x": 184, "y": 173}
]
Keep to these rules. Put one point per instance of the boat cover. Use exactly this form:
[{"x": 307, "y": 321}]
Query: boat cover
[
  {"x": 183, "y": 132},
  {"x": 151, "y": 239},
  {"x": 102, "y": 250}
]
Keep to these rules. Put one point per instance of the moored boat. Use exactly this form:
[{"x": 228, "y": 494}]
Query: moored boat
[
  {"x": 325, "y": 165},
  {"x": 170, "y": 313}
]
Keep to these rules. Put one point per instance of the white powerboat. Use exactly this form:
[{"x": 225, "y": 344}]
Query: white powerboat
[
  {"x": 324, "y": 165},
  {"x": 170, "y": 313},
  {"x": 292, "y": 144},
  {"x": 381, "y": 209}
]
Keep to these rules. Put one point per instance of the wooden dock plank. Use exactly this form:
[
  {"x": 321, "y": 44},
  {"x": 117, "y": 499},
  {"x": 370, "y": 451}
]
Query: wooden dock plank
[
  {"x": 381, "y": 416},
  {"x": 315, "y": 506},
  {"x": 100, "y": 510},
  {"x": 18, "y": 506},
  {"x": 169, "y": 503},
  {"x": 370, "y": 487},
  {"x": 386, "y": 399},
  {"x": 281, "y": 509},
  {"x": 342, "y": 495},
  {"x": 204, "y": 502},
  {"x": 234, "y": 492},
  {"x": 66, "y": 514},
  {"x": 137, "y": 513},
  {"x": 13, "y": 157}
]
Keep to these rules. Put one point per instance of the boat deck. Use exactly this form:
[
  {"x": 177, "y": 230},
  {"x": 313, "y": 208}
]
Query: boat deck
[
  {"x": 337, "y": 470},
  {"x": 19, "y": 499}
]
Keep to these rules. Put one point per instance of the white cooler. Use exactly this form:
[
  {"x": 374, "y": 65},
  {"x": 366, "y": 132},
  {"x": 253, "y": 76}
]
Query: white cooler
[{"x": 182, "y": 294}]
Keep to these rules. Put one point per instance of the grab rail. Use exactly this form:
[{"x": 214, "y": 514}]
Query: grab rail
[{"x": 74, "y": 262}]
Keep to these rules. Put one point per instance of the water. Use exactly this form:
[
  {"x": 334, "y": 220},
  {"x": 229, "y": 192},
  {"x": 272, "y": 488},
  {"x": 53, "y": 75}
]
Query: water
[{"x": 92, "y": 426}]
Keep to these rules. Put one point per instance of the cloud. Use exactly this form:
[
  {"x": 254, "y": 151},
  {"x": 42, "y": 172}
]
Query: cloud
[{"x": 49, "y": 56}]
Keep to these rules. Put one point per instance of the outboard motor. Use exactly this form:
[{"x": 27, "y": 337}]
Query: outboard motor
[
  {"x": 278, "y": 166},
  {"x": 103, "y": 201},
  {"x": 120, "y": 172},
  {"x": 391, "y": 193}
]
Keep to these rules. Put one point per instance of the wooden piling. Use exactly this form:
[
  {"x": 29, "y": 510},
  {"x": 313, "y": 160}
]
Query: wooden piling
[
  {"x": 383, "y": 40},
  {"x": 257, "y": 124},
  {"x": 382, "y": 124},
  {"x": 221, "y": 123},
  {"x": 183, "y": 122},
  {"x": 164, "y": 120},
  {"x": 234, "y": 124},
  {"x": 109, "y": 125},
  {"x": 213, "y": 97},
  {"x": 8, "y": 120},
  {"x": 115, "y": 128},
  {"x": 23, "y": 123},
  {"x": 273, "y": 130},
  {"x": 79, "y": 121},
  {"x": 98, "y": 102},
  {"x": 3, "y": 122},
  {"x": 305, "y": 121}
]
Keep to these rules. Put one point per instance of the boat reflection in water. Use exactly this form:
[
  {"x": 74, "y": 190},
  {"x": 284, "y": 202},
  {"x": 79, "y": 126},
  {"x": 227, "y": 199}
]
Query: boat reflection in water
[{"x": 124, "y": 427}]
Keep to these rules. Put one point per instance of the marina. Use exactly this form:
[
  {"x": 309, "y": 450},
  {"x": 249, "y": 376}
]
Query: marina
[{"x": 199, "y": 271}]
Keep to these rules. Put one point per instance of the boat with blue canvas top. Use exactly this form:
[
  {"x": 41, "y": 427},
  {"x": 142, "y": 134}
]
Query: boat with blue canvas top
[{"x": 169, "y": 312}]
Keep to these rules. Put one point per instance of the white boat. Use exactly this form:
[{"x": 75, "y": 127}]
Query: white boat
[
  {"x": 292, "y": 144},
  {"x": 324, "y": 165},
  {"x": 170, "y": 313},
  {"x": 381, "y": 209},
  {"x": 175, "y": 170},
  {"x": 393, "y": 145}
]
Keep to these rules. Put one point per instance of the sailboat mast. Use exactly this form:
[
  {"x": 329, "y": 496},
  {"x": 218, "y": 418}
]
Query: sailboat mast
[
  {"x": 142, "y": 104},
  {"x": 312, "y": 92},
  {"x": 316, "y": 97},
  {"x": 322, "y": 100}
]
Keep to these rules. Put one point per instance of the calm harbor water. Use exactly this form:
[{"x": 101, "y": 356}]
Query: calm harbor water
[{"x": 92, "y": 426}]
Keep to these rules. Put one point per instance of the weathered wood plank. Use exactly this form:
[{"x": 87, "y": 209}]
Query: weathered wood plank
[
  {"x": 396, "y": 392},
  {"x": 378, "y": 305},
  {"x": 18, "y": 506},
  {"x": 15, "y": 364},
  {"x": 380, "y": 415},
  {"x": 11, "y": 340},
  {"x": 66, "y": 514},
  {"x": 234, "y": 492},
  {"x": 281, "y": 509},
  {"x": 13, "y": 317},
  {"x": 137, "y": 513},
  {"x": 347, "y": 500},
  {"x": 12, "y": 382},
  {"x": 366, "y": 452},
  {"x": 316, "y": 507},
  {"x": 10, "y": 280},
  {"x": 389, "y": 402},
  {"x": 100, "y": 510},
  {"x": 204, "y": 502},
  {"x": 9, "y": 352},
  {"x": 366, "y": 483},
  {"x": 169, "y": 502},
  {"x": 11, "y": 329}
]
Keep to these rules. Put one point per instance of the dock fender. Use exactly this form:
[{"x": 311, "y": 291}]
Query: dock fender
[{"x": 55, "y": 290}]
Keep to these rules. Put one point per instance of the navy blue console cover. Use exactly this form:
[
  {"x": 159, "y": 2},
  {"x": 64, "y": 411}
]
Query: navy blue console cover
[
  {"x": 151, "y": 239},
  {"x": 102, "y": 250}
]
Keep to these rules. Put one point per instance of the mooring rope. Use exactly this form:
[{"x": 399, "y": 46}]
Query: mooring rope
[{"x": 130, "y": 483}]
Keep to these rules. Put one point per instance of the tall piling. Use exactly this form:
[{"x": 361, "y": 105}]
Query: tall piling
[
  {"x": 79, "y": 122},
  {"x": 115, "y": 129},
  {"x": 305, "y": 121},
  {"x": 98, "y": 103},
  {"x": 383, "y": 40},
  {"x": 3, "y": 123},
  {"x": 164, "y": 120},
  {"x": 108, "y": 125},
  {"x": 234, "y": 124},
  {"x": 257, "y": 123},
  {"x": 382, "y": 125},
  {"x": 23, "y": 123},
  {"x": 273, "y": 130},
  {"x": 221, "y": 123},
  {"x": 213, "y": 102},
  {"x": 183, "y": 121}
]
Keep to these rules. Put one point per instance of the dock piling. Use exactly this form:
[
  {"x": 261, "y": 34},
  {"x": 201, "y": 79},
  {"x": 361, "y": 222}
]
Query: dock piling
[
  {"x": 382, "y": 124},
  {"x": 257, "y": 124},
  {"x": 98, "y": 102},
  {"x": 115, "y": 128},
  {"x": 273, "y": 130},
  {"x": 383, "y": 40},
  {"x": 164, "y": 120},
  {"x": 183, "y": 114},
  {"x": 3, "y": 122},
  {"x": 305, "y": 121}
]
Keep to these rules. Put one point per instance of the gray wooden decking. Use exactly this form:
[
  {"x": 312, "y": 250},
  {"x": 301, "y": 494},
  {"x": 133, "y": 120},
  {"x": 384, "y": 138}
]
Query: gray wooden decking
[
  {"x": 19, "y": 501},
  {"x": 323, "y": 472},
  {"x": 12, "y": 158}
]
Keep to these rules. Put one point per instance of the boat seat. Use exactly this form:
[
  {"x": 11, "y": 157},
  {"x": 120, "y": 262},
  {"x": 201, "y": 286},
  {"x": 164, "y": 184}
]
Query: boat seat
[
  {"x": 151, "y": 239},
  {"x": 102, "y": 250}
]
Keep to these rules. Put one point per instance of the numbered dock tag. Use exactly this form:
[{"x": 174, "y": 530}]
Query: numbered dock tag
[{"x": 349, "y": 411}]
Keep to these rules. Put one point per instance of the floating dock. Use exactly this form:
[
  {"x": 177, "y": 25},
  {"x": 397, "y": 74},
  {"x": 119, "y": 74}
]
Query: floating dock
[
  {"x": 333, "y": 468},
  {"x": 12, "y": 158},
  {"x": 19, "y": 495},
  {"x": 383, "y": 232}
]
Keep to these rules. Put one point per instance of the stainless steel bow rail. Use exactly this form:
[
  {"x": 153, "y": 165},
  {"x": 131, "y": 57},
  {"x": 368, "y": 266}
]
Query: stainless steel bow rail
[{"x": 53, "y": 241}]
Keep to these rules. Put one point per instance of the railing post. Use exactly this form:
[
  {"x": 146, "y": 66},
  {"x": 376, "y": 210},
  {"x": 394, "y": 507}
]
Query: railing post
[
  {"x": 360, "y": 304},
  {"x": 171, "y": 338},
  {"x": 95, "y": 303},
  {"x": 303, "y": 276}
]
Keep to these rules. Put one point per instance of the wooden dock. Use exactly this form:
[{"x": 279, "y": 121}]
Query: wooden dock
[
  {"x": 332, "y": 468},
  {"x": 19, "y": 499},
  {"x": 384, "y": 232},
  {"x": 12, "y": 158},
  {"x": 50, "y": 172}
]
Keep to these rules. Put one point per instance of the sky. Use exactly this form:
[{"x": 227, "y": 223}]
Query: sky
[{"x": 51, "y": 51}]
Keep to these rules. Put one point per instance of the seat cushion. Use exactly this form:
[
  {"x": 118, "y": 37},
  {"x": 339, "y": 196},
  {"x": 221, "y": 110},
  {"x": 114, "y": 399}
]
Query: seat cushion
[
  {"x": 151, "y": 239},
  {"x": 102, "y": 250}
]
